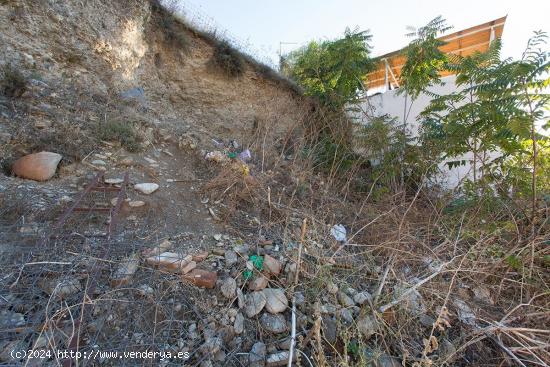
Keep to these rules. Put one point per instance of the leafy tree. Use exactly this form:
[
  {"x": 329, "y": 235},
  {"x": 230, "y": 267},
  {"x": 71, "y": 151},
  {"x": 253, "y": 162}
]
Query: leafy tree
[
  {"x": 424, "y": 59},
  {"x": 332, "y": 70}
]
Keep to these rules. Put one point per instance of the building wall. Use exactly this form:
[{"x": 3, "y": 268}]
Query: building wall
[{"x": 394, "y": 105}]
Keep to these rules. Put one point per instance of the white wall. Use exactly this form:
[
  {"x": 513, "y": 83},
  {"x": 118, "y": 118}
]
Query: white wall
[{"x": 393, "y": 104}]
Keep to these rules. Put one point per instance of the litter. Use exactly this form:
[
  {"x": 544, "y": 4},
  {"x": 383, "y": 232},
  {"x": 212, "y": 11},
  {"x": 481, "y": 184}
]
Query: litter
[{"x": 338, "y": 231}]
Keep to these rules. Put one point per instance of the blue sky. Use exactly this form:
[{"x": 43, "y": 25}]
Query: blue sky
[{"x": 263, "y": 24}]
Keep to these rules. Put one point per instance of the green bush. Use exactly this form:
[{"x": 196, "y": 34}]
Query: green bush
[
  {"x": 228, "y": 59},
  {"x": 12, "y": 82},
  {"x": 123, "y": 132}
]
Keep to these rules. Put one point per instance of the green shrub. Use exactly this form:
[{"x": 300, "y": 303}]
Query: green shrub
[
  {"x": 228, "y": 59},
  {"x": 123, "y": 132},
  {"x": 12, "y": 82}
]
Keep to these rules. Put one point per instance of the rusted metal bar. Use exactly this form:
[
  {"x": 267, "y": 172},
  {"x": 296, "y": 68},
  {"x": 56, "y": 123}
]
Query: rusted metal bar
[
  {"x": 93, "y": 183},
  {"x": 93, "y": 209},
  {"x": 74, "y": 343},
  {"x": 114, "y": 212}
]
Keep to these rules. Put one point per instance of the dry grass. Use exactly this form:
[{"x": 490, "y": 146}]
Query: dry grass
[{"x": 402, "y": 245}]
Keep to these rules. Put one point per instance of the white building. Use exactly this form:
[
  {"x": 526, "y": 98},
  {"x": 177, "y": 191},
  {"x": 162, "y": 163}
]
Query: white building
[{"x": 383, "y": 86}]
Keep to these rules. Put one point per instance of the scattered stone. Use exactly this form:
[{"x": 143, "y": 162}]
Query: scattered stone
[
  {"x": 384, "y": 360},
  {"x": 328, "y": 309},
  {"x": 350, "y": 291},
  {"x": 362, "y": 298},
  {"x": 279, "y": 359},
  {"x": 328, "y": 327},
  {"x": 256, "y": 357},
  {"x": 240, "y": 298},
  {"x": 238, "y": 325},
  {"x": 332, "y": 288},
  {"x": 345, "y": 300},
  {"x": 254, "y": 303},
  {"x": 136, "y": 203},
  {"x": 413, "y": 302},
  {"x": 127, "y": 268},
  {"x": 346, "y": 315},
  {"x": 144, "y": 290},
  {"x": 159, "y": 249},
  {"x": 285, "y": 344},
  {"x": 483, "y": 294},
  {"x": 367, "y": 325},
  {"x": 272, "y": 265},
  {"x": 231, "y": 258},
  {"x": 38, "y": 166},
  {"x": 299, "y": 298},
  {"x": 259, "y": 283},
  {"x": 113, "y": 181},
  {"x": 98, "y": 162},
  {"x": 276, "y": 300},
  {"x": 426, "y": 321},
  {"x": 201, "y": 278},
  {"x": 146, "y": 188},
  {"x": 172, "y": 261},
  {"x": 228, "y": 287},
  {"x": 127, "y": 161},
  {"x": 61, "y": 288},
  {"x": 218, "y": 237},
  {"x": 10, "y": 319},
  {"x": 242, "y": 250},
  {"x": 465, "y": 313},
  {"x": 201, "y": 256},
  {"x": 274, "y": 323}
]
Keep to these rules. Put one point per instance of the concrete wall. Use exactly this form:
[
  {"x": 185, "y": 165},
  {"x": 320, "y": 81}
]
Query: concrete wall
[{"x": 393, "y": 104}]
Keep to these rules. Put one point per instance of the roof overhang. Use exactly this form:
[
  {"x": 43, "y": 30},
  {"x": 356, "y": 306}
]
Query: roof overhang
[{"x": 464, "y": 43}]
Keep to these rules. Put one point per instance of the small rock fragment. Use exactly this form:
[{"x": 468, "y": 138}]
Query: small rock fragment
[
  {"x": 276, "y": 300},
  {"x": 159, "y": 249},
  {"x": 136, "y": 203},
  {"x": 332, "y": 288},
  {"x": 367, "y": 325},
  {"x": 231, "y": 258},
  {"x": 279, "y": 359},
  {"x": 172, "y": 261},
  {"x": 127, "y": 268},
  {"x": 259, "y": 283},
  {"x": 272, "y": 265},
  {"x": 345, "y": 300},
  {"x": 113, "y": 181},
  {"x": 238, "y": 325},
  {"x": 201, "y": 278},
  {"x": 274, "y": 323},
  {"x": 362, "y": 298},
  {"x": 200, "y": 256},
  {"x": 256, "y": 357},
  {"x": 254, "y": 303},
  {"x": 228, "y": 287},
  {"x": 146, "y": 188}
]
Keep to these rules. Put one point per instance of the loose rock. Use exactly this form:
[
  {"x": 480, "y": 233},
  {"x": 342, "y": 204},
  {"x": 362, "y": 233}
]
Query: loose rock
[
  {"x": 228, "y": 287},
  {"x": 367, "y": 325},
  {"x": 231, "y": 258},
  {"x": 238, "y": 325},
  {"x": 173, "y": 262},
  {"x": 256, "y": 357},
  {"x": 201, "y": 278},
  {"x": 38, "y": 166},
  {"x": 258, "y": 283},
  {"x": 276, "y": 300},
  {"x": 279, "y": 359},
  {"x": 345, "y": 300},
  {"x": 146, "y": 188},
  {"x": 136, "y": 203},
  {"x": 362, "y": 298},
  {"x": 254, "y": 303},
  {"x": 272, "y": 265},
  {"x": 274, "y": 323},
  {"x": 125, "y": 271}
]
